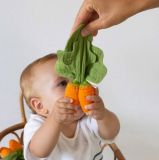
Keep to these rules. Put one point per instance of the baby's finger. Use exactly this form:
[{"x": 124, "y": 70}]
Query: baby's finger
[
  {"x": 65, "y": 118},
  {"x": 93, "y": 98},
  {"x": 92, "y": 106},
  {"x": 77, "y": 108},
  {"x": 66, "y": 111},
  {"x": 65, "y": 100},
  {"x": 67, "y": 106}
]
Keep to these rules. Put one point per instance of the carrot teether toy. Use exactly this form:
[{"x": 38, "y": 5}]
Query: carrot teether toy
[
  {"x": 14, "y": 151},
  {"x": 82, "y": 64}
]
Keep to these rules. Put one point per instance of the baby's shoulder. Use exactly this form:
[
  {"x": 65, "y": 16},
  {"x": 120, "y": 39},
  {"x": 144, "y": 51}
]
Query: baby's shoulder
[{"x": 34, "y": 120}]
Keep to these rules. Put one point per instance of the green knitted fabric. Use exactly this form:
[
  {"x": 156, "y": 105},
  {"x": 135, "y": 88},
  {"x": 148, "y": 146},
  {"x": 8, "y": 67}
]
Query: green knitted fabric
[{"x": 81, "y": 62}]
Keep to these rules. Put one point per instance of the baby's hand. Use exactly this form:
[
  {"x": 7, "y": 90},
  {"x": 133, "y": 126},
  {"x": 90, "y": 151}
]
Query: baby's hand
[
  {"x": 96, "y": 109},
  {"x": 63, "y": 111}
]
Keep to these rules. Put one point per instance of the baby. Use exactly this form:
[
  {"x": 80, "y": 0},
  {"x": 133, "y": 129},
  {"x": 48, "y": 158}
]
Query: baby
[{"x": 56, "y": 129}]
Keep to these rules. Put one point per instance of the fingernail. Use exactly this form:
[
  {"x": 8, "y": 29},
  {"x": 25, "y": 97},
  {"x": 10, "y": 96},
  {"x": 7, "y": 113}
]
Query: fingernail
[
  {"x": 71, "y": 100},
  {"x": 84, "y": 32}
]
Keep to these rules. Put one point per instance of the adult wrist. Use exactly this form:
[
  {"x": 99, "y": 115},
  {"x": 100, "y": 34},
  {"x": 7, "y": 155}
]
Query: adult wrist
[{"x": 147, "y": 4}]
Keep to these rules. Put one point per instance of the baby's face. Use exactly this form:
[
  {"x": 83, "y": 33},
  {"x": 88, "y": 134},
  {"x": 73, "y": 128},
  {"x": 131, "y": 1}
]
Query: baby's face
[{"x": 50, "y": 86}]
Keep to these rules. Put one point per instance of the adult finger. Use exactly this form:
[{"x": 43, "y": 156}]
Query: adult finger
[
  {"x": 95, "y": 33},
  {"x": 93, "y": 26},
  {"x": 83, "y": 16}
]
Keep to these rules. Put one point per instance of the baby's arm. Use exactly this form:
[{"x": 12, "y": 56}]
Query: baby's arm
[
  {"x": 109, "y": 126},
  {"x": 107, "y": 121},
  {"x": 46, "y": 137}
]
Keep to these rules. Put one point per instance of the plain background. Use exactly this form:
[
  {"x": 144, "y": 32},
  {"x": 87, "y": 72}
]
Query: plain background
[{"x": 30, "y": 29}]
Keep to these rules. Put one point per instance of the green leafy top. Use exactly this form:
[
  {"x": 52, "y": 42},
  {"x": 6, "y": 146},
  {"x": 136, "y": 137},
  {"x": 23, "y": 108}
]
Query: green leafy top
[{"x": 81, "y": 62}]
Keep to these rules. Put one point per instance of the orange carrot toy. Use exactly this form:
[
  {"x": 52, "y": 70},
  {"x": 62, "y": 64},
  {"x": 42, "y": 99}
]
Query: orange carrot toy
[
  {"x": 14, "y": 145},
  {"x": 14, "y": 150},
  {"x": 79, "y": 93},
  {"x": 4, "y": 152},
  {"x": 81, "y": 63},
  {"x": 72, "y": 92},
  {"x": 84, "y": 91}
]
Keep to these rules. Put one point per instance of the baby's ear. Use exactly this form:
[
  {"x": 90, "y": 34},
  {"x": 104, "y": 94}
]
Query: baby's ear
[{"x": 38, "y": 107}]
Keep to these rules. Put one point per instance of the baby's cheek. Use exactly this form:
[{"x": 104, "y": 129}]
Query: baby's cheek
[
  {"x": 55, "y": 97},
  {"x": 59, "y": 93}
]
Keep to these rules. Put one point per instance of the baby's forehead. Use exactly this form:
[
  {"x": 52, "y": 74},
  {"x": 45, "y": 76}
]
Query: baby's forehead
[
  {"x": 47, "y": 69},
  {"x": 45, "y": 66}
]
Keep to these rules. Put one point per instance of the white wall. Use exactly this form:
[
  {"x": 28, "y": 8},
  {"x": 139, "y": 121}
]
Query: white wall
[{"x": 30, "y": 29}]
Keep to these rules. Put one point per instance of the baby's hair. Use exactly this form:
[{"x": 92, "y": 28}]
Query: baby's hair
[{"x": 26, "y": 78}]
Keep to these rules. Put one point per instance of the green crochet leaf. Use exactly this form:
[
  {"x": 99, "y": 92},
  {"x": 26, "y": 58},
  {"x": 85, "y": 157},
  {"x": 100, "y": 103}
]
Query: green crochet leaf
[
  {"x": 81, "y": 61},
  {"x": 93, "y": 73}
]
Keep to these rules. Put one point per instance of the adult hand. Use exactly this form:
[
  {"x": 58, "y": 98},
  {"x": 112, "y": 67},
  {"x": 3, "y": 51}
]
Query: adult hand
[{"x": 100, "y": 14}]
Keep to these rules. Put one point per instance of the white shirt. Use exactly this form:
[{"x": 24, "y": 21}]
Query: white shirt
[{"x": 85, "y": 145}]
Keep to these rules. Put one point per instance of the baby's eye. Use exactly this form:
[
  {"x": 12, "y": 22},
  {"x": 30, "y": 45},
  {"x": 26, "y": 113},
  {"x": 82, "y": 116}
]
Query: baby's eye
[{"x": 63, "y": 83}]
